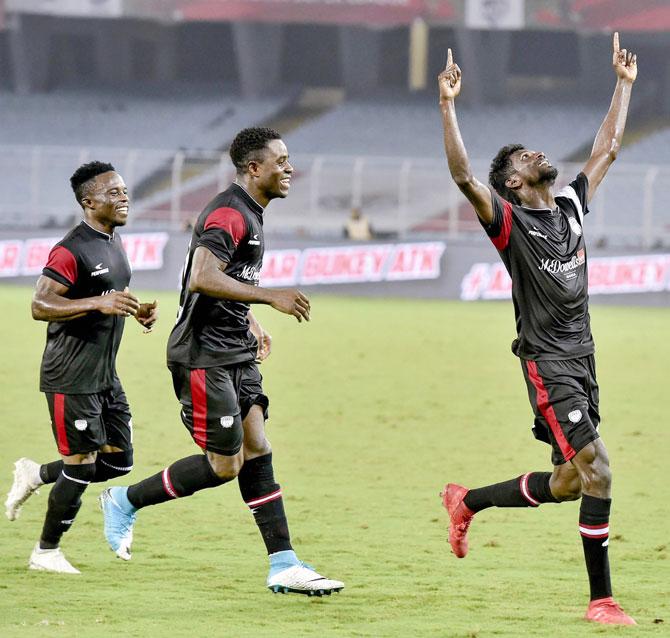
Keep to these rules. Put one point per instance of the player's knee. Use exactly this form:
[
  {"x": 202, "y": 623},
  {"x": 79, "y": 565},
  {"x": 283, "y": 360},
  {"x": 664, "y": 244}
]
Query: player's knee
[
  {"x": 567, "y": 489},
  {"x": 111, "y": 465},
  {"x": 597, "y": 478},
  {"x": 226, "y": 467},
  {"x": 255, "y": 447}
]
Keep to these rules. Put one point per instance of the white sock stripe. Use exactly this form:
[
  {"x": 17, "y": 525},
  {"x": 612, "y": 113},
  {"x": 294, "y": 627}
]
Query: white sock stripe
[
  {"x": 115, "y": 467},
  {"x": 167, "y": 484},
  {"x": 525, "y": 492},
  {"x": 76, "y": 480},
  {"x": 264, "y": 499},
  {"x": 597, "y": 532}
]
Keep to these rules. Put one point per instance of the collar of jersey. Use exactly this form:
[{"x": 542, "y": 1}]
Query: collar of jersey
[
  {"x": 96, "y": 231},
  {"x": 539, "y": 210},
  {"x": 251, "y": 200}
]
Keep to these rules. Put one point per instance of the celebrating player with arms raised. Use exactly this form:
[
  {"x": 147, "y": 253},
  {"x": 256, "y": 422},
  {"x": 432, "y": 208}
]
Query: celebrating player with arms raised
[{"x": 538, "y": 233}]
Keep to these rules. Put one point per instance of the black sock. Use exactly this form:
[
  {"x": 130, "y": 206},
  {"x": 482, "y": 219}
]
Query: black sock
[
  {"x": 109, "y": 465},
  {"x": 528, "y": 490},
  {"x": 64, "y": 502},
  {"x": 594, "y": 516},
  {"x": 182, "y": 478},
  {"x": 264, "y": 498},
  {"x": 49, "y": 472}
]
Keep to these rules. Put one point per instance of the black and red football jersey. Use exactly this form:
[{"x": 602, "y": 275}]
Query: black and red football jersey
[
  {"x": 545, "y": 255},
  {"x": 211, "y": 332},
  {"x": 80, "y": 354}
]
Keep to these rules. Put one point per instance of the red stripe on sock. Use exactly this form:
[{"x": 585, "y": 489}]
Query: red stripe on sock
[
  {"x": 59, "y": 418},
  {"x": 199, "y": 400},
  {"x": 167, "y": 484},
  {"x": 525, "y": 492},
  {"x": 547, "y": 411},
  {"x": 261, "y": 500}
]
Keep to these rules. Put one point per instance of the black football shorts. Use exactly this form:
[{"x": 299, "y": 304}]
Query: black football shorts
[
  {"x": 83, "y": 423},
  {"x": 564, "y": 397},
  {"x": 215, "y": 401}
]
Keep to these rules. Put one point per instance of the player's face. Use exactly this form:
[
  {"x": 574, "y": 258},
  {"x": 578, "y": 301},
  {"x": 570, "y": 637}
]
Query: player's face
[
  {"x": 108, "y": 200},
  {"x": 533, "y": 167},
  {"x": 274, "y": 172}
]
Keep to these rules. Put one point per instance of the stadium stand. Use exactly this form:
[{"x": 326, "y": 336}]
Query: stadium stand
[{"x": 138, "y": 132}]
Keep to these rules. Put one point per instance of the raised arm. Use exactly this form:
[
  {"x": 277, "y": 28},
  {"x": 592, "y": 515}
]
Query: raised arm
[
  {"x": 477, "y": 193},
  {"x": 609, "y": 136},
  {"x": 208, "y": 277}
]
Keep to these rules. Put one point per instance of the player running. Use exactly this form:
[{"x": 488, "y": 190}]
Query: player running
[
  {"x": 83, "y": 294},
  {"x": 212, "y": 355},
  {"x": 538, "y": 233}
]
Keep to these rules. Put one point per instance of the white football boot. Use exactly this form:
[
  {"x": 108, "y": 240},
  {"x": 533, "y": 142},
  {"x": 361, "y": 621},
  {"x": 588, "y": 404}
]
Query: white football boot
[
  {"x": 26, "y": 483},
  {"x": 50, "y": 560},
  {"x": 302, "y": 579}
]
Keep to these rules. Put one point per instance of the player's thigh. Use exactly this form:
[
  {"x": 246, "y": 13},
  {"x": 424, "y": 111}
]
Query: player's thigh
[
  {"x": 117, "y": 420},
  {"x": 76, "y": 422},
  {"x": 254, "y": 405},
  {"x": 210, "y": 408},
  {"x": 559, "y": 395}
]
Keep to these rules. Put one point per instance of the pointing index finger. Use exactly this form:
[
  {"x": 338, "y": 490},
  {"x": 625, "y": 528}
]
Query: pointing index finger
[
  {"x": 450, "y": 57},
  {"x": 615, "y": 42}
]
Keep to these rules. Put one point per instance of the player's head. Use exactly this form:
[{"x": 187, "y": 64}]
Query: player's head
[
  {"x": 102, "y": 193},
  {"x": 515, "y": 166},
  {"x": 261, "y": 161}
]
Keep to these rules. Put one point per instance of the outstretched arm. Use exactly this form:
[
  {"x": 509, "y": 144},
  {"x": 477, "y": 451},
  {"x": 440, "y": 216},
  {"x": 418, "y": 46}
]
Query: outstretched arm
[
  {"x": 608, "y": 139},
  {"x": 477, "y": 193}
]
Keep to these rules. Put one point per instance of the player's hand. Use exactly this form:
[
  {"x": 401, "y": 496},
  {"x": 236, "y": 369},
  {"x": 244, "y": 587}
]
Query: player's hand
[
  {"x": 449, "y": 80},
  {"x": 147, "y": 315},
  {"x": 264, "y": 345},
  {"x": 122, "y": 303},
  {"x": 623, "y": 61},
  {"x": 291, "y": 301}
]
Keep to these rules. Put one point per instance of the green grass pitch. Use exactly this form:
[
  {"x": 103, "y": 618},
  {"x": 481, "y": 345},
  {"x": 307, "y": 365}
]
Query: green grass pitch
[{"x": 374, "y": 405}]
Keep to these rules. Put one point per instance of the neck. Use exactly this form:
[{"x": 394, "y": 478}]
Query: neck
[
  {"x": 538, "y": 197},
  {"x": 108, "y": 229},
  {"x": 248, "y": 185}
]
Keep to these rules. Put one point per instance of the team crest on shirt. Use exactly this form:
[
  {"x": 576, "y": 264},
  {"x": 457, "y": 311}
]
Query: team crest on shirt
[
  {"x": 575, "y": 416},
  {"x": 227, "y": 421},
  {"x": 574, "y": 224},
  {"x": 81, "y": 424}
]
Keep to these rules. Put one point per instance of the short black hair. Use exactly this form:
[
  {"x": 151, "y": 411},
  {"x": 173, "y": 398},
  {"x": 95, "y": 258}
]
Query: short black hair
[
  {"x": 500, "y": 171},
  {"x": 248, "y": 143},
  {"x": 85, "y": 173}
]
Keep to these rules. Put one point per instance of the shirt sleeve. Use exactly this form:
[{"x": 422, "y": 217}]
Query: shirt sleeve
[
  {"x": 223, "y": 231},
  {"x": 61, "y": 266},
  {"x": 577, "y": 192},
  {"x": 500, "y": 228}
]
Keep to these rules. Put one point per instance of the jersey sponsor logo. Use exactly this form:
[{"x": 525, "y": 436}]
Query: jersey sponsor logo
[
  {"x": 251, "y": 273},
  {"x": 81, "y": 424},
  {"x": 255, "y": 241},
  {"x": 575, "y": 416},
  {"x": 536, "y": 233},
  {"x": 99, "y": 270},
  {"x": 574, "y": 224},
  {"x": 227, "y": 421},
  {"x": 554, "y": 266}
]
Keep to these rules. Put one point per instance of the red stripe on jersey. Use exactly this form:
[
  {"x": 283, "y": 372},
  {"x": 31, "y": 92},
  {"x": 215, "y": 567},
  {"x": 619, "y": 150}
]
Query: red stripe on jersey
[
  {"x": 547, "y": 411},
  {"x": 230, "y": 220},
  {"x": 199, "y": 400},
  {"x": 62, "y": 261},
  {"x": 501, "y": 241},
  {"x": 59, "y": 418}
]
